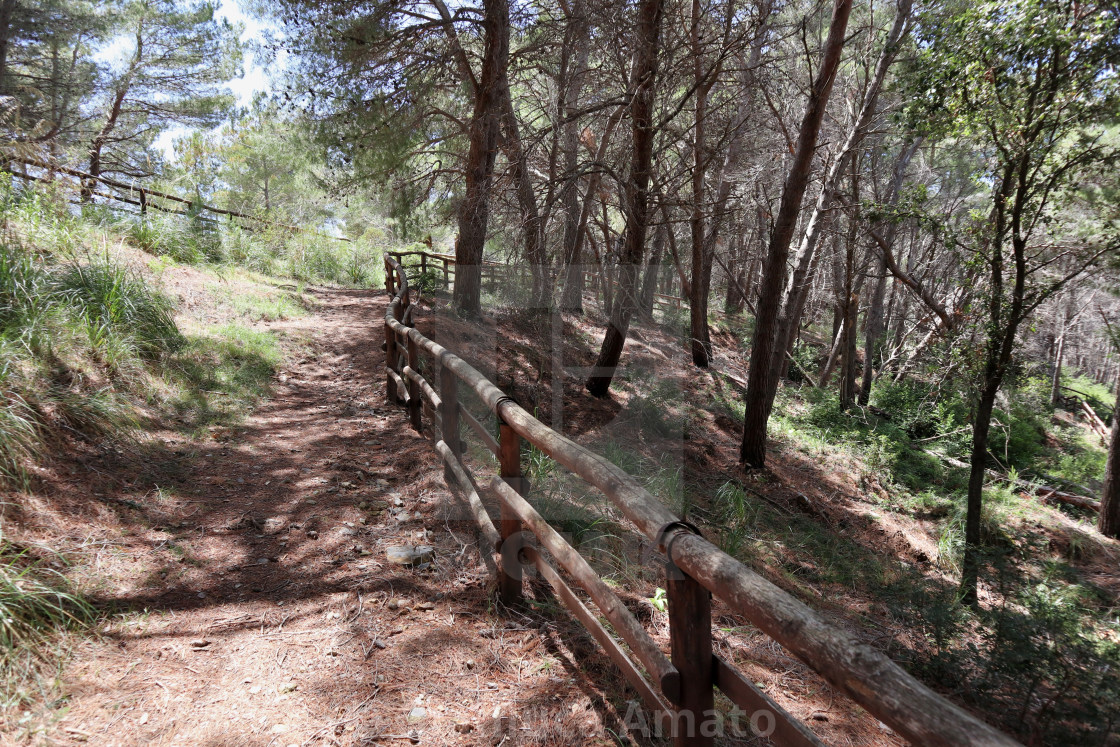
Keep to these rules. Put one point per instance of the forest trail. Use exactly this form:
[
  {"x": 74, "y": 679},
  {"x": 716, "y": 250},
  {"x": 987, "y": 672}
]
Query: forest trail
[{"x": 264, "y": 611}]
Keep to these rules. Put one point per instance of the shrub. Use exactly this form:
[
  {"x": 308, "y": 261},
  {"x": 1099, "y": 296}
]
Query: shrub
[{"x": 112, "y": 301}]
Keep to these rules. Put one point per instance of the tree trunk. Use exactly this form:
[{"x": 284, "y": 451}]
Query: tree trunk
[
  {"x": 485, "y": 120},
  {"x": 797, "y": 287},
  {"x": 571, "y": 297},
  {"x": 643, "y": 81},
  {"x": 702, "y": 248},
  {"x": 1056, "y": 377},
  {"x": 757, "y": 404},
  {"x": 1109, "y": 522},
  {"x": 6, "y": 9},
  {"x": 970, "y": 565},
  {"x": 874, "y": 326},
  {"x": 532, "y": 227},
  {"x": 848, "y": 351},
  {"x": 653, "y": 270},
  {"x": 1002, "y": 326},
  {"x": 99, "y": 141},
  {"x": 705, "y": 234},
  {"x": 851, "y": 304}
]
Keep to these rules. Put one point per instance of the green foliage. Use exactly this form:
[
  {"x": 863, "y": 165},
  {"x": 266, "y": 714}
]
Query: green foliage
[
  {"x": 277, "y": 252},
  {"x": 1079, "y": 460},
  {"x": 113, "y": 302},
  {"x": 221, "y": 375},
  {"x": 1037, "y": 660},
  {"x": 1019, "y": 428},
  {"x": 35, "y": 604},
  {"x": 171, "y": 63},
  {"x": 805, "y": 358},
  {"x": 923, "y": 412},
  {"x": 998, "y": 501}
]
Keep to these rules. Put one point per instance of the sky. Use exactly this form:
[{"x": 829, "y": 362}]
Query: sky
[{"x": 254, "y": 80}]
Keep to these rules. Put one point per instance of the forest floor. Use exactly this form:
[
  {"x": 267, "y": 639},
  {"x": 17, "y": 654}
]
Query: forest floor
[
  {"x": 252, "y": 601},
  {"x": 254, "y": 604}
]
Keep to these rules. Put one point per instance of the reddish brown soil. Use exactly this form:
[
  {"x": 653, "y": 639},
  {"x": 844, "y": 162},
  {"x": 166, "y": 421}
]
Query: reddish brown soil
[
  {"x": 254, "y": 604},
  {"x": 253, "y": 601}
]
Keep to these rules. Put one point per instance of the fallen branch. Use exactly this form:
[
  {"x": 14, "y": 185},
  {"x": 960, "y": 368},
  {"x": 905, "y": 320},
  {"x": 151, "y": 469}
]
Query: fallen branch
[{"x": 1044, "y": 492}]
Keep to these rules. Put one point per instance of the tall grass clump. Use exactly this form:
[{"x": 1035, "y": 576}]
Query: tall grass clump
[
  {"x": 36, "y": 603},
  {"x": 111, "y": 300},
  {"x": 69, "y": 329}
]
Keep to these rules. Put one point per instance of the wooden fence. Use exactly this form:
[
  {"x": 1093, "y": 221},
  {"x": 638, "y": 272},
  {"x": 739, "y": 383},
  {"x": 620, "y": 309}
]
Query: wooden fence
[
  {"x": 444, "y": 265},
  {"x": 142, "y": 197},
  {"x": 679, "y": 687}
]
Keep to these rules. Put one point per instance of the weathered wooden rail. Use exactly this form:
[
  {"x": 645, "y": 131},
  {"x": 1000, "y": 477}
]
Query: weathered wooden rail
[
  {"x": 143, "y": 197},
  {"x": 445, "y": 264},
  {"x": 678, "y": 688}
]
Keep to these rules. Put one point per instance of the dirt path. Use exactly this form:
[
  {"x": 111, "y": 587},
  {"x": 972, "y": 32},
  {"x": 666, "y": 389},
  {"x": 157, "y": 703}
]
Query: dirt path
[{"x": 264, "y": 611}]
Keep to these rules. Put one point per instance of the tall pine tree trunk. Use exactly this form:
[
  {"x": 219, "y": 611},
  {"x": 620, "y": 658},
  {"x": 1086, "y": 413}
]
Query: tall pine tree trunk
[
  {"x": 643, "y": 81},
  {"x": 797, "y": 288},
  {"x": 6, "y": 9},
  {"x": 757, "y": 404},
  {"x": 485, "y": 122},
  {"x": 574, "y": 65},
  {"x": 532, "y": 226},
  {"x": 1109, "y": 522}
]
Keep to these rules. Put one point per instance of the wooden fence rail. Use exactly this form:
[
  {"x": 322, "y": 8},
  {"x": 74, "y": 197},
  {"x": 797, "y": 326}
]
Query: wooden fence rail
[
  {"x": 444, "y": 264},
  {"x": 678, "y": 688},
  {"x": 142, "y": 197}
]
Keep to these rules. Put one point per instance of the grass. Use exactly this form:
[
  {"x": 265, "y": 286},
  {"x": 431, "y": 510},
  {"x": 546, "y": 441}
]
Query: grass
[
  {"x": 85, "y": 340},
  {"x": 264, "y": 301},
  {"x": 271, "y": 251},
  {"x": 221, "y": 375},
  {"x": 67, "y": 330},
  {"x": 113, "y": 302},
  {"x": 36, "y": 604}
]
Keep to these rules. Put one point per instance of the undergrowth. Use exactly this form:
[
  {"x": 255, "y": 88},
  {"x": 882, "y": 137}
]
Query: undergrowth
[
  {"x": 72, "y": 326},
  {"x": 36, "y": 604},
  {"x": 1042, "y": 658},
  {"x": 270, "y": 250}
]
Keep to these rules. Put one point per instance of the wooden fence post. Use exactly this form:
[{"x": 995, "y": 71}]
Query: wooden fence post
[
  {"x": 414, "y": 402},
  {"x": 449, "y": 410},
  {"x": 391, "y": 338},
  {"x": 446, "y": 276},
  {"x": 509, "y": 456},
  {"x": 690, "y": 640}
]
